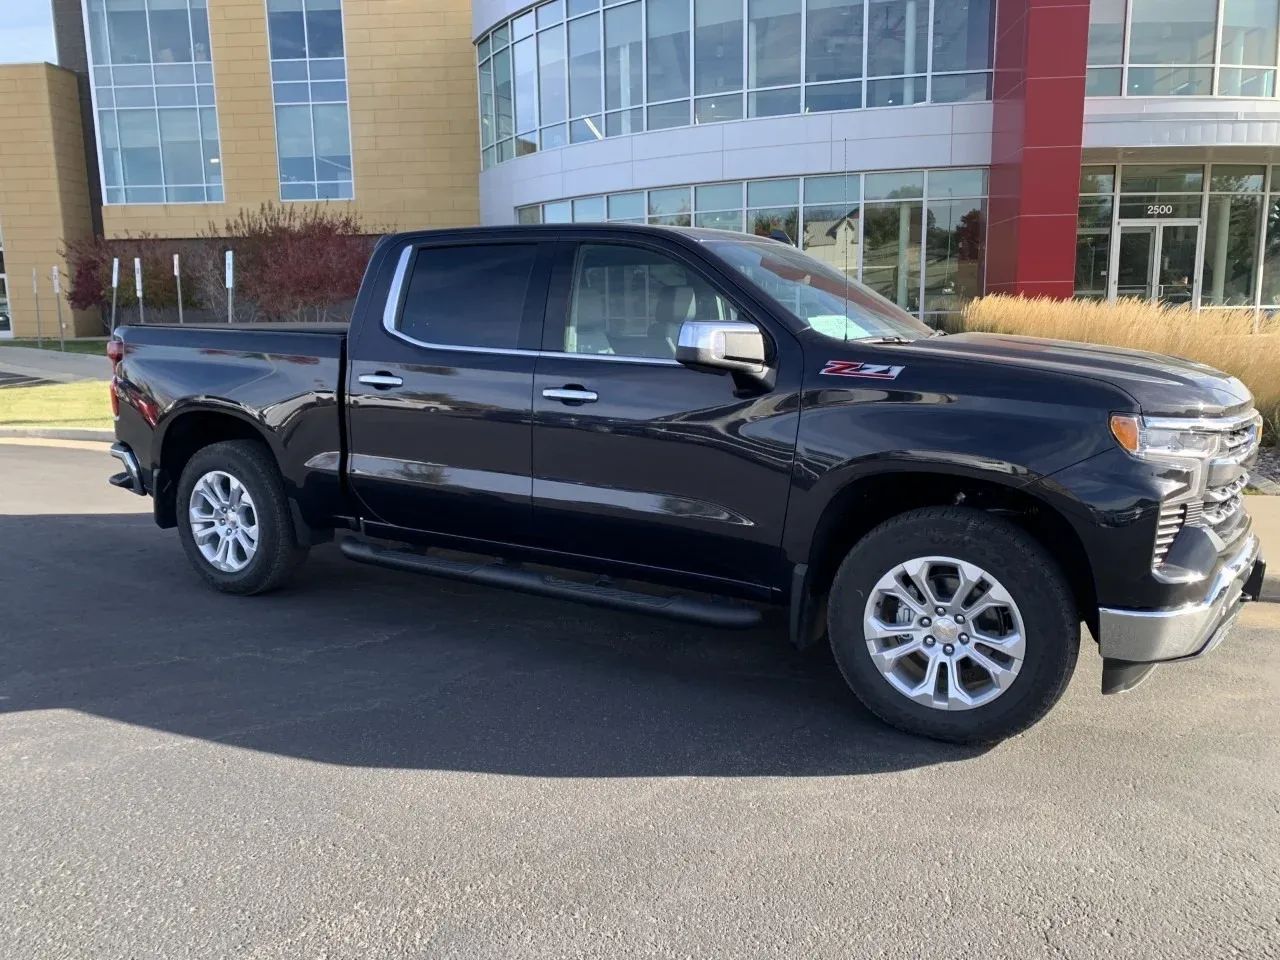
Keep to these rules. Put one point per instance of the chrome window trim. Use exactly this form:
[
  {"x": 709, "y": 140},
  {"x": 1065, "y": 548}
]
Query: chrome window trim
[
  {"x": 1205, "y": 424},
  {"x": 391, "y": 310},
  {"x": 391, "y": 314},
  {"x": 613, "y": 358}
]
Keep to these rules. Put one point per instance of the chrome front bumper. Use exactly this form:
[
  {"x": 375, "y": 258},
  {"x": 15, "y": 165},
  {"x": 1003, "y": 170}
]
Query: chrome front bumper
[{"x": 1153, "y": 636}]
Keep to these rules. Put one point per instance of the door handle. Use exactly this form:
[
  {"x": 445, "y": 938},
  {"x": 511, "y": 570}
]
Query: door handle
[
  {"x": 380, "y": 380},
  {"x": 571, "y": 393}
]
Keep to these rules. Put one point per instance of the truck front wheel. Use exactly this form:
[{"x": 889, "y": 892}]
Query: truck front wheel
[
  {"x": 953, "y": 624},
  {"x": 234, "y": 519}
]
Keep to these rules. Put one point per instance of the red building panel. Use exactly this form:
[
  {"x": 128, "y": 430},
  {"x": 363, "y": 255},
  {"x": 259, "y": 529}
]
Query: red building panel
[{"x": 1041, "y": 46}]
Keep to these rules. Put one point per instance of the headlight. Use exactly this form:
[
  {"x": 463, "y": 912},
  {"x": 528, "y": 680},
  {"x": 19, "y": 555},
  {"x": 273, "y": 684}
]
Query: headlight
[{"x": 1164, "y": 439}]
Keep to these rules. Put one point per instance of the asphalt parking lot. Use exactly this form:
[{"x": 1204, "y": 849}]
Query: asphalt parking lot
[{"x": 380, "y": 765}]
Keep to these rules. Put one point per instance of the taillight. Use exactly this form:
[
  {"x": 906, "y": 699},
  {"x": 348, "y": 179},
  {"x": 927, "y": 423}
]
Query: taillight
[{"x": 115, "y": 353}]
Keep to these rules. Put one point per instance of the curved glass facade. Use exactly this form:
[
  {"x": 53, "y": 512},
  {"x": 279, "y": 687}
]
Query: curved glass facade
[
  {"x": 1153, "y": 48},
  {"x": 916, "y": 236},
  {"x": 572, "y": 71}
]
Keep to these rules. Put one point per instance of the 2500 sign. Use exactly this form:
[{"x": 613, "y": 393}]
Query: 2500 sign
[{"x": 1159, "y": 209}]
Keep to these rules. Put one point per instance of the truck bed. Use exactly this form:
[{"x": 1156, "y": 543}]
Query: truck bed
[{"x": 284, "y": 378}]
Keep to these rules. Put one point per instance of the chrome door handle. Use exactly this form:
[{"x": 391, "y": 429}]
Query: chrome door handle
[
  {"x": 382, "y": 381},
  {"x": 571, "y": 395}
]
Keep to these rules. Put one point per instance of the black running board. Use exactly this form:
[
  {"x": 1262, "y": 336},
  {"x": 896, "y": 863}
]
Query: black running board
[{"x": 495, "y": 573}]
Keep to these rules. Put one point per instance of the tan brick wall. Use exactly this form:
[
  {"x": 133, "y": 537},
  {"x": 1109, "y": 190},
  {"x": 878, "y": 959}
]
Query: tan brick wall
[
  {"x": 411, "y": 83},
  {"x": 44, "y": 194}
]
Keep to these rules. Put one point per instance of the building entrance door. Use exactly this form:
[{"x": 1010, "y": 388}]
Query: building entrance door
[{"x": 1156, "y": 260}]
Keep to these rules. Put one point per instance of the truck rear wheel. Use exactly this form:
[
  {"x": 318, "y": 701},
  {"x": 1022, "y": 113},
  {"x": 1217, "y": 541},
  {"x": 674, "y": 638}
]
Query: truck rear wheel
[
  {"x": 234, "y": 519},
  {"x": 953, "y": 624}
]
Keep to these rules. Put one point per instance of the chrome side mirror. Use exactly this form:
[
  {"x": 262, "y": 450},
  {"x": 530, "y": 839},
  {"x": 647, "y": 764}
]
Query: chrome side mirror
[{"x": 722, "y": 345}]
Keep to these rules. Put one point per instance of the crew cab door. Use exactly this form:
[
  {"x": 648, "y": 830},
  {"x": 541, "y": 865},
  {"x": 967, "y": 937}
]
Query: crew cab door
[
  {"x": 439, "y": 388},
  {"x": 639, "y": 459}
]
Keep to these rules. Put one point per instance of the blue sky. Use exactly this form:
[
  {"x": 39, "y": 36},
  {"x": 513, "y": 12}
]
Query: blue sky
[{"x": 27, "y": 34}]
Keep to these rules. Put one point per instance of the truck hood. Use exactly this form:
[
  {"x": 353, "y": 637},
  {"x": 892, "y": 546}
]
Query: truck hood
[{"x": 1160, "y": 385}]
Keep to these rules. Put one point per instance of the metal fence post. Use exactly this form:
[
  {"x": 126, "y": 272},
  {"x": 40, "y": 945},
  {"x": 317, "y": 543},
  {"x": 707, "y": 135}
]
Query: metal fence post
[
  {"x": 35, "y": 292},
  {"x": 115, "y": 289},
  {"x": 57, "y": 302},
  {"x": 177, "y": 277},
  {"x": 137, "y": 288},
  {"x": 231, "y": 285}
]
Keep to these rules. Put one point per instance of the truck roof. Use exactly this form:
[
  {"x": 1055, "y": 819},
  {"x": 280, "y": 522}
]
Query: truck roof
[{"x": 695, "y": 234}]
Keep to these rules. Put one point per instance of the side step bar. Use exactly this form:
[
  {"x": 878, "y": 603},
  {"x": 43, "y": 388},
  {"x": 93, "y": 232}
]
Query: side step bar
[{"x": 495, "y": 573}]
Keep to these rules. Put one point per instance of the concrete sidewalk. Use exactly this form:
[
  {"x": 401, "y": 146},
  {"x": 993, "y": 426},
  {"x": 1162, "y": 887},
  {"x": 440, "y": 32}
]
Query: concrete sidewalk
[
  {"x": 54, "y": 364},
  {"x": 1266, "y": 523}
]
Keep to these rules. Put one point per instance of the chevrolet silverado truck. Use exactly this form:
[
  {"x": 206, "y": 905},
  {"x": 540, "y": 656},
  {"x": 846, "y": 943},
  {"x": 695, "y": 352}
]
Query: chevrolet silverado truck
[{"x": 696, "y": 424}]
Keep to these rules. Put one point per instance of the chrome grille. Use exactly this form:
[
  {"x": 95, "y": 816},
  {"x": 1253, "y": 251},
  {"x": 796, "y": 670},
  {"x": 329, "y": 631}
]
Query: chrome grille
[
  {"x": 1172, "y": 517},
  {"x": 1221, "y": 507}
]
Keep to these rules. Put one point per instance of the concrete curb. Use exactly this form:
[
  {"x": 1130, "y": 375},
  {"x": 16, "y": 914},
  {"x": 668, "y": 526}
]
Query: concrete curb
[
  {"x": 1264, "y": 486},
  {"x": 59, "y": 433},
  {"x": 54, "y": 365}
]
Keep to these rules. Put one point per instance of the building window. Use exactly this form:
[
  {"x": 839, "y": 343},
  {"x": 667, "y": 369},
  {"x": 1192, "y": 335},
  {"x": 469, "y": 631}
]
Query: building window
[
  {"x": 559, "y": 74},
  {"x": 152, "y": 81},
  {"x": 309, "y": 89},
  {"x": 1225, "y": 48},
  {"x": 916, "y": 236},
  {"x": 1182, "y": 234}
]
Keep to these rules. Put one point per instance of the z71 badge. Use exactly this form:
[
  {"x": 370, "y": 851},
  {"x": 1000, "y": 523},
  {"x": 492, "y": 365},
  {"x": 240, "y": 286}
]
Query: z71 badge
[{"x": 871, "y": 371}]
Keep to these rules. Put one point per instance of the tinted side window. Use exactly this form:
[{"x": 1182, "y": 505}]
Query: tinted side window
[
  {"x": 468, "y": 296},
  {"x": 630, "y": 302}
]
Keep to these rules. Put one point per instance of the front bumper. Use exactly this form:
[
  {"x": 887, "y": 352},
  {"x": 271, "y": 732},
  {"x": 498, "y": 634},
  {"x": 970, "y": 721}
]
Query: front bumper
[{"x": 1155, "y": 636}]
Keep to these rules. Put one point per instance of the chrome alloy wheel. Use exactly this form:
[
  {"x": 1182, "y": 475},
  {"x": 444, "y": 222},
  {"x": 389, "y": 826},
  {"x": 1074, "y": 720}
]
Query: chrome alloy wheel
[
  {"x": 224, "y": 521},
  {"x": 944, "y": 633}
]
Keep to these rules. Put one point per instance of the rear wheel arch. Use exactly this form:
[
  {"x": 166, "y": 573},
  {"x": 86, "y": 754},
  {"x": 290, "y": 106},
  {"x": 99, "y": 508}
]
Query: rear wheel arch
[
  {"x": 186, "y": 433},
  {"x": 865, "y": 502}
]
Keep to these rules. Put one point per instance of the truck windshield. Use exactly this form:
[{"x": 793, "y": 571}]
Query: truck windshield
[{"x": 820, "y": 297}]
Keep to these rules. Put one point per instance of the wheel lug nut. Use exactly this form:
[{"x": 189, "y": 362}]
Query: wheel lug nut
[
  {"x": 925, "y": 621},
  {"x": 929, "y": 641},
  {"x": 948, "y": 649},
  {"x": 964, "y": 639},
  {"x": 959, "y": 618},
  {"x": 939, "y": 610}
]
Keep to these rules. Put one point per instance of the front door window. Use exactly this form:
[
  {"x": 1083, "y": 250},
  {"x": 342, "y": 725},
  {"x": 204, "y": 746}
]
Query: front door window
[
  {"x": 1137, "y": 260},
  {"x": 1176, "y": 268},
  {"x": 1156, "y": 261}
]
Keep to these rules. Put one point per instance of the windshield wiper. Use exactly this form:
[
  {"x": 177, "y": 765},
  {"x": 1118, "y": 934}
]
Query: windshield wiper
[{"x": 890, "y": 339}]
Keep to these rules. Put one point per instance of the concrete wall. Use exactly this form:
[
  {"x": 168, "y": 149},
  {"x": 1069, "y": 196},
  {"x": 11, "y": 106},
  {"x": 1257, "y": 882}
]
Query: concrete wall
[
  {"x": 44, "y": 190},
  {"x": 411, "y": 80},
  {"x": 894, "y": 138}
]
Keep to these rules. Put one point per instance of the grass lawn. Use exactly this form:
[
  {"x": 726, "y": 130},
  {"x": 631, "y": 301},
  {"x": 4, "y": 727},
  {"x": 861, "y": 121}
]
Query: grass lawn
[
  {"x": 84, "y": 404},
  {"x": 96, "y": 347}
]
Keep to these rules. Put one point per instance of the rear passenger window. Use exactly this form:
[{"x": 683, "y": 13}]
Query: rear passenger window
[{"x": 469, "y": 296}]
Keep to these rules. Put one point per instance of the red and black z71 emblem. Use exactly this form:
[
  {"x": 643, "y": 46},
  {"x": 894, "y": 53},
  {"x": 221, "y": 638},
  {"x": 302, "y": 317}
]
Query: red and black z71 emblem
[{"x": 870, "y": 371}]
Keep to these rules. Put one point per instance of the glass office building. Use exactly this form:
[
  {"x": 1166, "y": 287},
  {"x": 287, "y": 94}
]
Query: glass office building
[
  {"x": 1125, "y": 149},
  {"x": 937, "y": 150},
  {"x": 1201, "y": 234},
  {"x": 915, "y": 236}
]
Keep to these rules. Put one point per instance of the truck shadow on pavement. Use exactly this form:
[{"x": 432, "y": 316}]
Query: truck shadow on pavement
[{"x": 363, "y": 667}]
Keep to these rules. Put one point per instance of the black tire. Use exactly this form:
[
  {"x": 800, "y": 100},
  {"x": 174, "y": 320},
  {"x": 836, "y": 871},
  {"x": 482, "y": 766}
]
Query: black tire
[
  {"x": 1010, "y": 555},
  {"x": 278, "y": 553}
]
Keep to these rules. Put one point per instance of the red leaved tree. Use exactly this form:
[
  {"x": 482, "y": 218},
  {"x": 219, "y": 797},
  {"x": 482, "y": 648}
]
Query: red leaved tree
[{"x": 296, "y": 262}]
